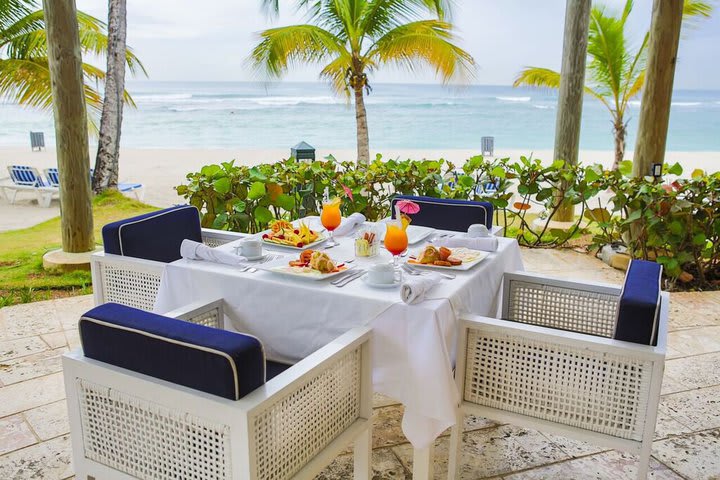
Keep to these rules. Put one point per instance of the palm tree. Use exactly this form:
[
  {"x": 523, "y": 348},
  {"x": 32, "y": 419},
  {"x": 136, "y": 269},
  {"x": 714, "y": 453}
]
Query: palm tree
[
  {"x": 615, "y": 72},
  {"x": 353, "y": 38},
  {"x": 24, "y": 72}
]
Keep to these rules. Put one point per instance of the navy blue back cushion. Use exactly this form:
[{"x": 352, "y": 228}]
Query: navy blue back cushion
[
  {"x": 215, "y": 361},
  {"x": 153, "y": 236},
  {"x": 455, "y": 215},
  {"x": 639, "y": 310}
]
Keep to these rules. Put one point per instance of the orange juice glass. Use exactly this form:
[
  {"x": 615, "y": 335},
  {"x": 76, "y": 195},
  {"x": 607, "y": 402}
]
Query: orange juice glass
[
  {"x": 330, "y": 216},
  {"x": 396, "y": 240}
]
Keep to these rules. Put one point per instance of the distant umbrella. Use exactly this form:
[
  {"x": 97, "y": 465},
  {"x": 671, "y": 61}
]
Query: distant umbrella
[{"x": 409, "y": 207}]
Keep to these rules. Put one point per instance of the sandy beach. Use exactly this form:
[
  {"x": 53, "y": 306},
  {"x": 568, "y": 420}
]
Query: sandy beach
[{"x": 162, "y": 169}]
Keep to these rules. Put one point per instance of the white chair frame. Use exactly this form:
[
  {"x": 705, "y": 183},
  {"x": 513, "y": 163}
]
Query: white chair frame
[
  {"x": 44, "y": 195},
  {"x": 126, "y": 425},
  {"x": 135, "y": 281},
  {"x": 557, "y": 374}
]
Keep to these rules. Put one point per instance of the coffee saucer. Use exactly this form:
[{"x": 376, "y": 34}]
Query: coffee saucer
[{"x": 369, "y": 283}]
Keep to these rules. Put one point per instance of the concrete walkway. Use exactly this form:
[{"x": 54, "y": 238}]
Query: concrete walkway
[{"x": 34, "y": 440}]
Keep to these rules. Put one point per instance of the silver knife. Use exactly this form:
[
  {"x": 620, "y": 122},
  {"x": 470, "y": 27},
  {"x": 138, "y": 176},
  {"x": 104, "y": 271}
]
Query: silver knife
[
  {"x": 350, "y": 278},
  {"x": 344, "y": 276}
]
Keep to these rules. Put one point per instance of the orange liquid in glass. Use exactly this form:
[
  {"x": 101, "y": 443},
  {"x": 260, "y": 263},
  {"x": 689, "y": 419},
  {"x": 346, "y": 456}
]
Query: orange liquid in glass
[
  {"x": 396, "y": 240},
  {"x": 330, "y": 216}
]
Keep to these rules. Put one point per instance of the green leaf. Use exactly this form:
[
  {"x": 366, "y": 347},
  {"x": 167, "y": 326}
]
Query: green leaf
[
  {"x": 220, "y": 221},
  {"x": 498, "y": 172},
  {"x": 675, "y": 169},
  {"x": 256, "y": 175},
  {"x": 699, "y": 239},
  {"x": 466, "y": 181},
  {"x": 675, "y": 227},
  {"x": 239, "y": 206},
  {"x": 257, "y": 190},
  {"x": 697, "y": 174},
  {"x": 591, "y": 175},
  {"x": 262, "y": 214},
  {"x": 625, "y": 168},
  {"x": 210, "y": 170},
  {"x": 222, "y": 185},
  {"x": 599, "y": 215},
  {"x": 286, "y": 202}
]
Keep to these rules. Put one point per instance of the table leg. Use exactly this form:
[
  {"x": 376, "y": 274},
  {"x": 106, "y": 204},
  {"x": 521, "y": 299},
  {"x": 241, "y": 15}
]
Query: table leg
[{"x": 423, "y": 463}]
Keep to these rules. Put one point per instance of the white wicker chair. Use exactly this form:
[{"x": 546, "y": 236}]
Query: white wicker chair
[
  {"x": 556, "y": 367},
  {"x": 126, "y": 425},
  {"x": 134, "y": 281}
]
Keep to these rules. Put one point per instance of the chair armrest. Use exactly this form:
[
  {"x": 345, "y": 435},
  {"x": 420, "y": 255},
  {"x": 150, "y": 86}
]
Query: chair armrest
[
  {"x": 584, "y": 307},
  {"x": 125, "y": 280},
  {"x": 209, "y": 314},
  {"x": 213, "y": 238}
]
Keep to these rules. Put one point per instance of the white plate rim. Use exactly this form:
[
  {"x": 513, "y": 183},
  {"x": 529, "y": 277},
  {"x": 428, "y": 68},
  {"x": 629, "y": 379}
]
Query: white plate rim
[
  {"x": 465, "y": 266},
  {"x": 271, "y": 267},
  {"x": 291, "y": 247}
]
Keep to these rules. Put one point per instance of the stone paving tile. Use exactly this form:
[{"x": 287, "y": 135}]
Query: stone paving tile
[
  {"x": 610, "y": 465},
  {"x": 693, "y": 309},
  {"x": 15, "y": 433},
  {"x": 574, "y": 448},
  {"x": 55, "y": 339},
  {"x": 694, "y": 456},
  {"x": 49, "y": 421},
  {"x": 387, "y": 430},
  {"x": 694, "y": 372},
  {"x": 491, "y": 452},
  {"x": 385, "y": 465},
  {"x": 30, "y": 319},
  {"x": 380, "y": 400},
  {"x": 21, "y": 347},
  {"x": 31, "y": 393},
  {"x": 31, "y": 366},
  {"x": 47, "y": 461},
  {"x": 697, "y": 409},
  {"x": 695, "y": 341},
  {"x": 73, "y": 339}
]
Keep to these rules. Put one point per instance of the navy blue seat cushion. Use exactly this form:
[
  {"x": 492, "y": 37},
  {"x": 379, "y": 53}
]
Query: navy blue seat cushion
[
  {"x": 639, "y": 309},
  {"x": 215, "y": 361},
  {"x": 153, "y": 236},
  {"x": 455, "y": 215}
]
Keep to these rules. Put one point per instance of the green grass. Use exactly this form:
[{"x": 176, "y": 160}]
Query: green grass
[{"x": 22, "y": 278}]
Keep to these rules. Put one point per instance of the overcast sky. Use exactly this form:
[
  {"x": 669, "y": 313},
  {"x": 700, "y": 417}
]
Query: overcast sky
[{"x": 183, "y": 40}]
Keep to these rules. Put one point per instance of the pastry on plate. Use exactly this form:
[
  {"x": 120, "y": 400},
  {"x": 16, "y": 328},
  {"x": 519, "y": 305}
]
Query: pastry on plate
[{"x": 429, "y": 255}]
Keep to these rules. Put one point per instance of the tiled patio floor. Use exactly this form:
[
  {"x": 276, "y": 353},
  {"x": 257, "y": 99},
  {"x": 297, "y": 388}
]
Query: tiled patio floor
[{"x": 34, "y": 440}]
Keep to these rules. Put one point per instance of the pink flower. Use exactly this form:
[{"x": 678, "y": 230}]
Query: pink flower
[
  {"x": 348, "y": 192},
  {"x": 408, "y": 206}
]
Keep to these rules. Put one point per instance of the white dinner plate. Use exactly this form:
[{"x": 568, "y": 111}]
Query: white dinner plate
[
  {"x": 281, "y": 267},
  {"x": 321, "y": 239},
  {"x": 469, "y": 257}
]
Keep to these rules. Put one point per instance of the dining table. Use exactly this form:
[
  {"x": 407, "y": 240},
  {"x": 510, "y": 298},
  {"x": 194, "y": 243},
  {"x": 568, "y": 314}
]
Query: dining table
[{"x": 414, "y": 345}]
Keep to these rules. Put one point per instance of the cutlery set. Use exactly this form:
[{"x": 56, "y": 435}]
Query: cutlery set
[{"x": 265, "y": 259}]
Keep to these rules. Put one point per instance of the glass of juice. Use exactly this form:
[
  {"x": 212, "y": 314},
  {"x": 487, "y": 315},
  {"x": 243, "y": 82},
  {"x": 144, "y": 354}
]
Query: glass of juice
[
  {"x": 396, "y": 240},
  {"x": 330, "y": 217}
]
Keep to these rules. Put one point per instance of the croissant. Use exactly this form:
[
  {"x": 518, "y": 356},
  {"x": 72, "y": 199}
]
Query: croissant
[
  {"x": 321, "y": 262},
  {"x": 429, "y": 255}
]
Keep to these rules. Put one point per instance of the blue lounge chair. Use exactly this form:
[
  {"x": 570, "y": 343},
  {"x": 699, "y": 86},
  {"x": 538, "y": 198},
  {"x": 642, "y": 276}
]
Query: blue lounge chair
[
  {"x": 448, "y": 214},
  {"x": 28, "y": 179},
  {"x": 137, "y": 189}
]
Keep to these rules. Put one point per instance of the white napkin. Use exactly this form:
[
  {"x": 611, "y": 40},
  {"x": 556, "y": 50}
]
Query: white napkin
[
  {"x": 198, "y": 251},
  {"x": 486, "y": 244},
  {"x": 349, "y": 223},
  {"x": 414, "y": 288}
]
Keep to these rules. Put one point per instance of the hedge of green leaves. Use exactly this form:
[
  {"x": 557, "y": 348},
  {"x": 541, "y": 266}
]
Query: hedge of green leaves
[{"x": 676, "y": 224}]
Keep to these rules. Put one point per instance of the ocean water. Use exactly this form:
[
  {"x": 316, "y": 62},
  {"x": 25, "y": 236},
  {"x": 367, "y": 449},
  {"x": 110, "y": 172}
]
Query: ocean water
[{"x": 278, "y": 115}]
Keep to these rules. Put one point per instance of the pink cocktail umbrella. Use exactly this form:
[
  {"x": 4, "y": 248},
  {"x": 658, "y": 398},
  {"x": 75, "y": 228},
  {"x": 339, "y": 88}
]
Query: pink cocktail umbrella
[{"x": 407, "y": 206}]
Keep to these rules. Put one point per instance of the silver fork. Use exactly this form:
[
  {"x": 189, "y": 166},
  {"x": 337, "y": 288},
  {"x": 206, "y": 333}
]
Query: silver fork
[
  {"x": 413, "y": 271},
  {"x": 268, "y": 258}
]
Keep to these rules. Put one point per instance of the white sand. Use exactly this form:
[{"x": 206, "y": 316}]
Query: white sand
[{"x": 161, "y": 170}]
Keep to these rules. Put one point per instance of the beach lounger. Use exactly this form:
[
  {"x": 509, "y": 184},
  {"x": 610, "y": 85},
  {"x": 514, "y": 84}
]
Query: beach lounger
[
  {"x": 137, "y": 189},
  {"x": 27, "y": 179}
]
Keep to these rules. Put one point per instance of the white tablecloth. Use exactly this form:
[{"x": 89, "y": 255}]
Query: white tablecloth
[{"x": 413, "y": 351}]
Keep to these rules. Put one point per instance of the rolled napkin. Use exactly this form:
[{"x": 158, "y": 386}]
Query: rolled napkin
[
  {"x": 486, "y": 244},
  {"x": 198, "y": 251},
  {"x": 414, "y": 288},
  {"x": 347, "y": 224}
]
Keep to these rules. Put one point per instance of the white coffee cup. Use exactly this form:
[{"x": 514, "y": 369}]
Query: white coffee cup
[
  {"x": 250, "y": 248},
  {"x": 478, "y": 230},
  {"x": 383, "y": 274}
]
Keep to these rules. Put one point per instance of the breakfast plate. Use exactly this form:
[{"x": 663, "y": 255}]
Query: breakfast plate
[
  {"x": 282, "y": 267},
  {"x": 469, "y": 259},
  {"x": 294, "y": 236}
]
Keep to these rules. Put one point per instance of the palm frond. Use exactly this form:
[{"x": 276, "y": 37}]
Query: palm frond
[
  {"x": 336, "y": 73},
  {"x": 607, "y": 51},
  {"x": 428, "y": 42},
  {"x": 694, "y": 11},
  {"x": 283, "y": 47},
  {"x": 537, "y": 77},
  {"x": 380, "y": 16}
]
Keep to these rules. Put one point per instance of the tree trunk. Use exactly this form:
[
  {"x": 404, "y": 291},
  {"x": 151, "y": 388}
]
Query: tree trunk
[
  {"x": 657, "y": 93},
  {"x": 107, "y": 163},
  {"x": 572, "y": 88},
  {"x": 363, "y": 139},
  {"x": 619, "y": 132},
  {"x": 65, "y": 62}
]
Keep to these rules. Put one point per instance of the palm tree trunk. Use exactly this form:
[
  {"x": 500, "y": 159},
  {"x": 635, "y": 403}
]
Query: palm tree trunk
[
  {"x": 71, "y": 133},
  {"x": 363, "y": 139},
  {"x": 108, "y": 155},
  {"x": 619, "y": 132}
]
